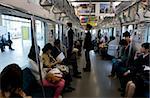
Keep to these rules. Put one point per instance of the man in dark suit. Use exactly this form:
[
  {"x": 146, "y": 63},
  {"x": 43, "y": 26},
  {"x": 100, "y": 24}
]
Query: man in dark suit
[
  {"x": 87, "y": 46},
  {"x": 70, "y": 55},
  {"x": 70, "y": 40}
]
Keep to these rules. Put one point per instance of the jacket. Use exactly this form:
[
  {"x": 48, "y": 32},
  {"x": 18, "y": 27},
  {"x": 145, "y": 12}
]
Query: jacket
[{"x": 87, "y": 41}]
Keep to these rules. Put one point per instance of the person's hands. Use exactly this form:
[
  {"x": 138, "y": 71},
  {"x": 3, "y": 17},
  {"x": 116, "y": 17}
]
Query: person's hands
[
  {"x": 126, "y": 73},
  {"x": 58, "y": 62}
]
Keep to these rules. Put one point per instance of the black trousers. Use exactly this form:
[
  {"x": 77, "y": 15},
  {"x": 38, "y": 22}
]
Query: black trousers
[
  {"x": 87, "y": 58},
  {"x": 72, "y": 60}
]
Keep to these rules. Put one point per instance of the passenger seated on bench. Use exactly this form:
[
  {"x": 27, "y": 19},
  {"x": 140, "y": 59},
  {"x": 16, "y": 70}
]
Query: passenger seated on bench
[
  {"x": 56, "y": 82},
  {"x": 72, "y": 60},
  {"x": 2, "y": 46},
  {"x": 11, "y": 80},
  {"x": 122, "y": 59},
  {"x": 7, "y": 42},
  {"x": 55, "y": 52},
  {"x": 137, "y": 72}
]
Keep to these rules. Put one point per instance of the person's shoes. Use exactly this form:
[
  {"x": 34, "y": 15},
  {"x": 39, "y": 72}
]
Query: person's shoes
[
  {"x": 12, "y": 49},
  {"x": 122, "y": 94},
  {"x": 120, "y": 90},
  {"x": 67, "y": 90},
  {"x": 71, "y": 88},
  {"x": 86, "y": 70},
  {"x": 77, "y": 76},
  {"x": 78, "y": 73},
  {"x": 112, "y": 76}
]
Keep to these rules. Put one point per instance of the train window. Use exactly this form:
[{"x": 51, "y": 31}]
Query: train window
[
  {"x": 40, "y": 33},
  {"x": 148, "y": 34}
]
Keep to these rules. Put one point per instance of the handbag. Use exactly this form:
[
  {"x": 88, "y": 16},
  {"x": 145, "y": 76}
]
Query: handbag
[
  {"x": 54, "y": 75},
  {"x": 63, "y": 68}
]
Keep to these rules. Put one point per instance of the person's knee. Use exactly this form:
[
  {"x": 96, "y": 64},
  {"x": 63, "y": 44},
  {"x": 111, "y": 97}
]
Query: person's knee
[{"x": 61, "y": 83}]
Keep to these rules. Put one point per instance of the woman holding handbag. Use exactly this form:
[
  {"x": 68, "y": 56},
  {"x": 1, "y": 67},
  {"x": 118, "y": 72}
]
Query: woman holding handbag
[
  {"x": 50, "y": 63},
  {"x": 48, "y": 78}
]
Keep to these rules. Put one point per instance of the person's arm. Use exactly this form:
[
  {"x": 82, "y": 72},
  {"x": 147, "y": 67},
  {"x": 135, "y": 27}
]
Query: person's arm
[
  {"x": 137, "y": 54},
  {"x": 46, "y": 61}
]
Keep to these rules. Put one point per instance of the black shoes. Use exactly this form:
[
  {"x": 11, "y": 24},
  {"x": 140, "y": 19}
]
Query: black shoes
[
  {"x": 78, "y": 73},
  {"x": 77, "y": 76},
  {"x": 86, "y": 70},
  {"x": 71, "y": 88},
  {"x": 68, "y": 89},
  {"x": 12, "y": 49},
  {"x": 120, "y": 90}
]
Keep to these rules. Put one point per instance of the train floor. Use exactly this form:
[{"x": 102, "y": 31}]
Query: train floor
[{"x": 94, "y": 84}]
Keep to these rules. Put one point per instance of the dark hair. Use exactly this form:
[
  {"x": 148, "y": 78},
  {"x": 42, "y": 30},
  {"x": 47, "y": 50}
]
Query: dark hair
[
  {"x": 57, "y": 42},
  {"x": 47, "y": 47},
  {"x": 69, "y": 24},
  {"x": 32, "y": 53},
  {"x": 126, "y": 34},
  {"x": 123, "y": 42},
  {"x": 89, "y": 26},
  {"x": 11, "y": 78},
  {"x": 146, "y": 45}
]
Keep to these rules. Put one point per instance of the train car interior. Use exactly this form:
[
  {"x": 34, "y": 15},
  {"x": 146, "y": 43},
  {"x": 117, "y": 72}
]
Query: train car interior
[{"x": 74, "y": 48}]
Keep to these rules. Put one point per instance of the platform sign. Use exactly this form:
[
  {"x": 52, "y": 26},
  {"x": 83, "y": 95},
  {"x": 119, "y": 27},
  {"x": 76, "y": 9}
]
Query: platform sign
[{"x": 25, "y": 32}]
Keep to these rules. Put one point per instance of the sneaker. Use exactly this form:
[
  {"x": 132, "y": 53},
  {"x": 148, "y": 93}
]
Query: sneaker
[{"x": 112, "y": 76}]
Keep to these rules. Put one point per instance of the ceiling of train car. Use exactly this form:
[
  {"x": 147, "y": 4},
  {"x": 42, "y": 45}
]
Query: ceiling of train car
[{"x": 99, "y": 17}]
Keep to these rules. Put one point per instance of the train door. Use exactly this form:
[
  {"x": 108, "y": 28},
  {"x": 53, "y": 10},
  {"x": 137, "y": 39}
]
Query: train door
[
  {"x": 40, "y": 33},
  {"x": 147, "y": 35}
]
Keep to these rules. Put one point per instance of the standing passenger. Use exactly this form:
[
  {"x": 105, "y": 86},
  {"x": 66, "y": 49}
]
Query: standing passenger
[
  {"x": 87, "y": 46},
  {"x": 70, "y": 56},
  {"x": 9, "y": 42},
  {"x": 70, "y": 40}
]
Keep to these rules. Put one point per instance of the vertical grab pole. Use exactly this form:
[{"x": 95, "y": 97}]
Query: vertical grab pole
[{"x": 34, "y": 43}]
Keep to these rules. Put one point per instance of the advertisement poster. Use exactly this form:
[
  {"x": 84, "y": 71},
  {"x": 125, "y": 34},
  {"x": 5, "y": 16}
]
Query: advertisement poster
[
  {"x": 86, "y": 8},
  {"x": 104, "y": 8},
  {"x": 88, "y": 19}
]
